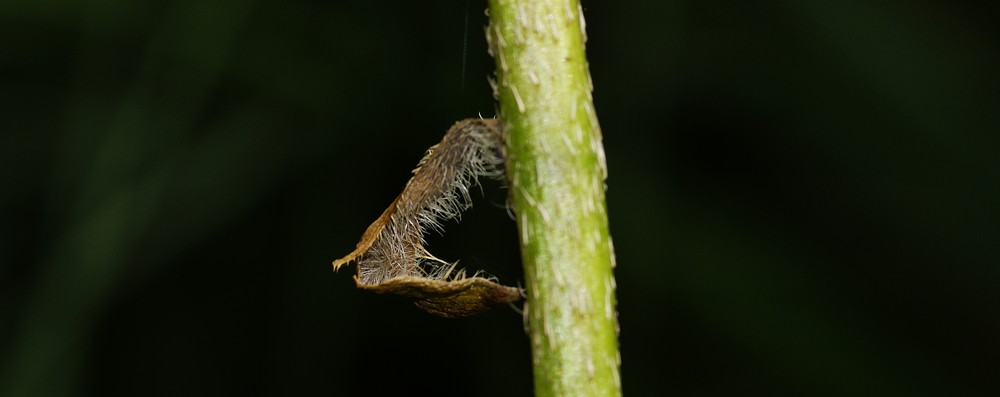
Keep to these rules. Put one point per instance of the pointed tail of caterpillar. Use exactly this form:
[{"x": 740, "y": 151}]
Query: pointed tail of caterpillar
[{"x": 391, "y": 256}]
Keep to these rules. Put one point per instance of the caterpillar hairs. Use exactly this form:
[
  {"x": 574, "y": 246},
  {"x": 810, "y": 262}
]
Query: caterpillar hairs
[{"x": 391, "y": 257}]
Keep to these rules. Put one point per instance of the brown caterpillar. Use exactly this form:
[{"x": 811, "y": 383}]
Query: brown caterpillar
[{"x": 391, "y": 256}]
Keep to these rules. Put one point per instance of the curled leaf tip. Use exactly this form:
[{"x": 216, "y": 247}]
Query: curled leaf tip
[
  {"x": 390, "y": 256},
  {"x": 452, "y": 299}
]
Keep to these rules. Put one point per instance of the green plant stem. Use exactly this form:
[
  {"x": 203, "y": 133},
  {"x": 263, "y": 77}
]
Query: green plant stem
[{"x": 556, "y": 172}]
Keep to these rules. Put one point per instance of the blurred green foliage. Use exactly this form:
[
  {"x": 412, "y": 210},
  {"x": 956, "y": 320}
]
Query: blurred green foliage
[{"x": 803, "y": 197}]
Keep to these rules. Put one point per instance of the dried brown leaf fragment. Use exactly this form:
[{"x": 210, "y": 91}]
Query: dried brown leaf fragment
[{"x": 391, "y": 256}]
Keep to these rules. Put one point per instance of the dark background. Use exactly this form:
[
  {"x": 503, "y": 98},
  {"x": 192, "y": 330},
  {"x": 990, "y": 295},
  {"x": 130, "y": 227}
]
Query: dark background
[{"x": 803, "y": 197}]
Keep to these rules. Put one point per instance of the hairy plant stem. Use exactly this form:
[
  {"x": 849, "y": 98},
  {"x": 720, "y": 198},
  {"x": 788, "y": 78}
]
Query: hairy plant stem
[{"x": 556, "y": 171}]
